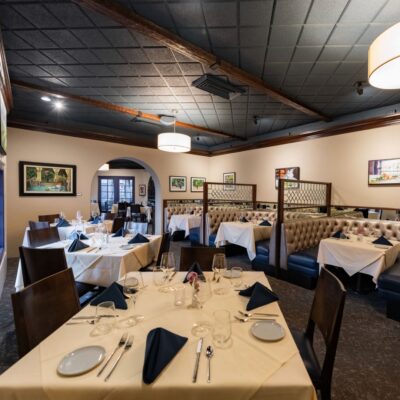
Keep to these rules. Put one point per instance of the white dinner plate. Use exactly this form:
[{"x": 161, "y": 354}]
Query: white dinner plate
[
  {"x": 232, "y": 274},
  {"x": 382, "y": 246},
  {"x": 269, "y": 331},
  {"x": 127, "y": 246},
  {"x": 81, "y": 360}
]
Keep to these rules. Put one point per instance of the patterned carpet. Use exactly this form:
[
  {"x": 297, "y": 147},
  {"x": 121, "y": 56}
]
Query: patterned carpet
[{"x": 368, "y": 357}]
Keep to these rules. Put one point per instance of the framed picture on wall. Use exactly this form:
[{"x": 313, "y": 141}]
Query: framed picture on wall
[
  {"x": 45, "y": 179},
  {"x": 287, "y": 173},
  {"x": 177, "y": 183},
  {"x": 229, "y": 178},
  {"x": 384, "y": 172},
  {"x": 142, "y": 190},
  {"x": 3, "y": 126},
  {"x": 197, "y": 184}
]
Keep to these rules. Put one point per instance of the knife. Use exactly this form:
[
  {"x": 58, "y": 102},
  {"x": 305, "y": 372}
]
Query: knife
[
  {"x": 94, "y": 316},
  {"x": 172, "y": 276},
  {"x": 198, "y": 353}
]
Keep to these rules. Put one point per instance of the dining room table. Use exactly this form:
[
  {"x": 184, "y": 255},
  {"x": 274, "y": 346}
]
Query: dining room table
[
  {"x": 248, "y": 368},
  {"x": 105, "y": 259},
  {"x": 244, "y": 234},
  {"x": 184, "y": 222},
  {"x": 358, "y": 253}
]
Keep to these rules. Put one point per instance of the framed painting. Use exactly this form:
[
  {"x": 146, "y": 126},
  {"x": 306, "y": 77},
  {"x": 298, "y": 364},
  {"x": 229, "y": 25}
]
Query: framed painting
[
  {"x": 45, "y": 179},
  {"x": 229, "y": 178},
  {"x": 384, "y": 172},
  {"x": 177, "y": 183},
  {"x": 3, "y": 126},
  {"x": 197, "y": 184},
  {"x": 287, "y": 173},
  {"x": 142, "y": 190}
]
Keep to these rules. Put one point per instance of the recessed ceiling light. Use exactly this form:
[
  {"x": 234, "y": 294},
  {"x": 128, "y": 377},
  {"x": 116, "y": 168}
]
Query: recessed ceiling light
[
  {"x": 46, "y": 98},
  {"x": 58, "y": 105}
]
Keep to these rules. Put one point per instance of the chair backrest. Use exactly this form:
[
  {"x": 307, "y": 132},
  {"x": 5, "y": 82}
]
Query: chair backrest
[
  {"x": 135, "y": 208},
  {"x": 164, "y": 247},
  {"x": 42, "y": 307},
  {"x": 33, "y": 225},
  {"x": 40, "y": 237},
  {"x": 37, "y": 264},
  {"x": 118, "y": 223},
  {"x": 49, "y": 218},
  {"x": 326, "y": 314},
  {"x": 203, "y": 255},
  {"x": 109, "y": 216}
]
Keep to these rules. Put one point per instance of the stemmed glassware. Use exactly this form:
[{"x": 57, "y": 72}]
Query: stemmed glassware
[
  {"x": 131, "y": 290},
  {"x": 168, "y": 267}
]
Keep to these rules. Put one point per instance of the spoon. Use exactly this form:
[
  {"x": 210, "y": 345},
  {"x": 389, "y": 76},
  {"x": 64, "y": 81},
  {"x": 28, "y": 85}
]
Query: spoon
[
  {"x": 253, "y": 319},
  {"x": 247, "y": 314},
  {"x": 209, "y": 354}
]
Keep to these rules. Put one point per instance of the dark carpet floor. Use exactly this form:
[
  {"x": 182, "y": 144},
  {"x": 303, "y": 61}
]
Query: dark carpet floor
[{"x": 368, "y": 356}]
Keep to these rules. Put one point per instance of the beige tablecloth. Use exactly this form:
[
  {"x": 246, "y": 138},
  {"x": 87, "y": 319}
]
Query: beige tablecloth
[
  {"x": 104, "y": 266},
  {"x": 244, "y": 234},
  {"x": 357, "y": 256},
  {"x": 248, "y": 369}
]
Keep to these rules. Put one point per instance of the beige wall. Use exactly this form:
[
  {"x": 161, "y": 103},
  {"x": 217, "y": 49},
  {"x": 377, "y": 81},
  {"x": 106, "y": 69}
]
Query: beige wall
[
  {"x": 141, "y": 178},
  {"x": 87, "y": 155},
  {"x": 342, "y": 160}
]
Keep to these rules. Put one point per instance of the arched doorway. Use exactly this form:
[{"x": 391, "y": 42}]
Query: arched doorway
[{"x": 127, "y": 180}]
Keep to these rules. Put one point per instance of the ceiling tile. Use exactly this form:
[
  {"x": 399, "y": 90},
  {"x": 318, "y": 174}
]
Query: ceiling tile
[
  {"x": 358, "y": 53},
  {"x": 326, "y": 11},
  {"x": 279, "y": 54},
  {"x": 253, "y": 36},
  {"x": 91, "y": 37},
  {"x": 64, "y": 39},
  {"x": 324, "y": 67},
  {"x": 11, "y": 19},
  {"x": 390, "y": 13},
  {"x": 191, "y": 68},
  {"x": 346, "y": 35},
  {"x": 284, "y": 35},
  {"x": 251, "y": 61},
  {"x": 306, "y": 53},
  {"x": 157, "y": 13},
  {"x": 228, "y": 54},
  {"x": 38, "y": 15},
  {"x": 188, "y": 15},
  {"x": 70, "y": 14},
  {"x": 224, "y": 37},
  {"x": 255, "y": 12},
  {"x": 169, "y": 69},
  {"x": 159, "y": 54},
  {"x": 36, "y": 57},
  {"x": 314, "y": 35},
  {"x": 59, "y": 56},
  {"x": 219, "y": 14},
  {"x": 120, "y": 37},
  {"x": 289, "y": 12},
  {"x": 109, "y": 56},
  {"x": 13, "y": 42},
  {"x": 197, "y": 36},
  {"x": 334, "y": 53}
]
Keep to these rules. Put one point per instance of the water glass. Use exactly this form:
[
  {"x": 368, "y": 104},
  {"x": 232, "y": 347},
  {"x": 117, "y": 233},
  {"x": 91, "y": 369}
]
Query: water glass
[
  {"x": 131, "y": 289},
  {"x": 236, "y": 276},
  {"x": 219, "y": 264},
  {"x": 168, "y": 267},
  {"x": 222, "y": 331},
  {"x": 105, "y": 318},
  {"x": 179, "y": 295},
  {"x": 158, "y": 276}
]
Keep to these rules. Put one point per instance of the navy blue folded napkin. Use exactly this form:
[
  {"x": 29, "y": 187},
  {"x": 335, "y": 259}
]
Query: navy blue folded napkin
[
  {"x": 77, "y": 245},
  {"x": 195, "y": 267},
  {"x": 161, "y": 347},
  {"x": 259, "y": 296},
  {"x": 62, "y": 223},
  {"x": 121, "y": 232},
  {"x": 95, "y": 220},
  {"x": 139, "y": 238},
  {"x": 113, "y": 293},
  {"x": 337, "y": 234},
  {"x": 75, "y": 235},
  {"x": 382, "y": 240},
  {"x": 191, "y": 212},
  {"x": 264, "y": 223},
  {"x": 243, "y": 219}
]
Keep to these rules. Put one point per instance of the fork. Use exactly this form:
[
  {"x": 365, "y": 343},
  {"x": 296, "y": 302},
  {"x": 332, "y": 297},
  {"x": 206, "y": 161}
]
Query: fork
[
  {"x": 91, "y": 322},
  {"x": 247, "y": 314},
  {"x": 128, "y": 345},
  {"x": 121, "y": 343},
  {"x": 242, "y": 319}
]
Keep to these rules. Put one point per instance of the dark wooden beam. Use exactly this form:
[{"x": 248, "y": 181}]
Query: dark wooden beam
[
  {"x": 371, "y": 123},
  {"x": 131, "y": 20},
  {"x": 121, "y": 109},
  {"x": 86, "y": 134},
  {"x": 5, "y": 86}
]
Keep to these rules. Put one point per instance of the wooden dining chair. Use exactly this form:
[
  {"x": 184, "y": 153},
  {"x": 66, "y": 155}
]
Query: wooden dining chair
[
  {"x": 40, "y": 237},
  {"x": 118, "y": 223},
  {"x": 49, "y": 218},
  {"x": 42, "y": 307},
  {"x": 33, "y": 225},
  {"x": 164, "y": 246},
  {"x": 37, "y": 264},
  {"x": 326, "y": 315},
  {"x": 109, "y": 216},
  {"x": 203, "y": 255}
]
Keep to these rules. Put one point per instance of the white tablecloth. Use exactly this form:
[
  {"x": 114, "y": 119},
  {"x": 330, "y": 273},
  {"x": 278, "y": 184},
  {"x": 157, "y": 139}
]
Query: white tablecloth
[
  {"x": 108, "y": 264},
  {"x": 243, "y": 234},
  {"x": 357, "y": 256},
  {"x": 184, "y": 222},
  {"x": 248, "y": 369}
]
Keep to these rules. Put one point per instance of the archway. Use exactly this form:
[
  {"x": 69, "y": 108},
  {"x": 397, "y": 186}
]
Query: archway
[{"x": 140, "y": 186}]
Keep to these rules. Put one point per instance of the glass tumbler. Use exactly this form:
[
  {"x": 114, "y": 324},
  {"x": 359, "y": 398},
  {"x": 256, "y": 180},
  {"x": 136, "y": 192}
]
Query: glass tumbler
[
  {"x": 222, "y": 331},
  {"x": 105, "y": 318}
]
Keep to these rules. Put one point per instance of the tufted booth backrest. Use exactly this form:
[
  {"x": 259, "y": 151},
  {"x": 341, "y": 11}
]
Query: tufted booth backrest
[
  {"x": 302, "y": 234},
  {"x": 182, "y": 209}
]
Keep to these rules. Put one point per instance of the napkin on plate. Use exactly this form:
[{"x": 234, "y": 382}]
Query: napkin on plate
[
  {"x": 382, "y": 240},
  {"x": 139, "y": 238},
  {"x": 76, "y": 235},
  {"x": 195, "y": 267},
  {"x": 259, "y": 296},
  {"x": 121, "y": 232},
  {"x": 96, "y": 220},
  {"x": 77, "y": 245},
  {"x": 113, "y": 293},
  {"x": 161, "y": 347},
  {"x": 62, "y": 223},
  {"x": 264, "y": 223}
]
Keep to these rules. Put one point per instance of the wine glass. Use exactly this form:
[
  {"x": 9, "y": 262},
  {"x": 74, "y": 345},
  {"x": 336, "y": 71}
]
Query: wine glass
[
  {"x": 130, "y": 289},
  {"x": 79, "y": 216},
  {"x": 168, "y": 266},
  {"x": 201, "y": 293},
  {"x": 62, "y": 215},
  {"x": 219, "y": 265}
]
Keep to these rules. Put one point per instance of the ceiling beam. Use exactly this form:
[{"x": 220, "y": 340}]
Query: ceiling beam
[
  {"x": 121, "y": 109},
  {"x": 134, "y": 21}
]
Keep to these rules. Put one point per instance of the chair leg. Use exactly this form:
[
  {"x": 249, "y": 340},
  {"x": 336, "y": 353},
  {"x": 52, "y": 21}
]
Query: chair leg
[{"x": 325, "y": 393}]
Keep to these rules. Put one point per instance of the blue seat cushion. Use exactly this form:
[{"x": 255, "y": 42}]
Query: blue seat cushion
[
  {"x": 211, "y": 239},
  {"x": 194, "y": 235},
  {"x": 262, "y": 247},
  {"x": 390, "y": 279},
  {"x": 305, "y": 261}
]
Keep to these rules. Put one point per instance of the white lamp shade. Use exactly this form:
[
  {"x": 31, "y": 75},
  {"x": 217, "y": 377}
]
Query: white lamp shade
[
  {"x": 174, "y": 142},
  {"x": 104, "y": 167},
  {"x": 384, "y": 59}
]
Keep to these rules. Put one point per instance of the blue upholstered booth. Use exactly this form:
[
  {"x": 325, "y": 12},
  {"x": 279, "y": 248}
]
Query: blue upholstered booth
[
  {"x": 389, "y": 288},
  {"x": 302, "y": 267}
]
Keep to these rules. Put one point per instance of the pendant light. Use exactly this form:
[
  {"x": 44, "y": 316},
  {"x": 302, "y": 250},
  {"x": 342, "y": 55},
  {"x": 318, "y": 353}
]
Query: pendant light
[
  {"x": 174, "y": 142},
  {"x": 384, "y": 59}
]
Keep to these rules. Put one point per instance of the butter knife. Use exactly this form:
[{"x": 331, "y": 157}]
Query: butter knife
[
  {"x": 198, "y": 353},
  {"x": 172, "y": 276}
]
